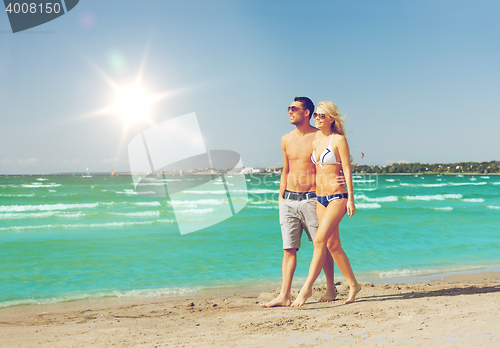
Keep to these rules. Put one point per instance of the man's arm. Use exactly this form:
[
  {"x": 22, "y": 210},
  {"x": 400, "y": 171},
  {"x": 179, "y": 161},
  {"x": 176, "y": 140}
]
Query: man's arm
[{"x": 285, "y": 171}]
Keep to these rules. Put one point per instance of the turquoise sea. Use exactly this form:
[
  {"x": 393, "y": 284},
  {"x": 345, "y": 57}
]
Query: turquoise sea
[{"x": 75, "y": 237}]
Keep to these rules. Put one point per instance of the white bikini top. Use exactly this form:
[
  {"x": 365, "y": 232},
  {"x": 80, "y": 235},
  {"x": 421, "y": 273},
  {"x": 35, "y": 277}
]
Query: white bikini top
[{"x": 327, "y": 157}]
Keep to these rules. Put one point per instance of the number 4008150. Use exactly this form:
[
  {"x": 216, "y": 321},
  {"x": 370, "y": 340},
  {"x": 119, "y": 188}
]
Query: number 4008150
[{"x": 33, "y": 8}]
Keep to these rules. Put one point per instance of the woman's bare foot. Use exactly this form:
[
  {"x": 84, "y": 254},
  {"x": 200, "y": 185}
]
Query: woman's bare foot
[
  {"x": 279, "y": 301},
  {"x": 302, "y": 297},
  {"x": 353, "y": 290},
  {"x": 329, "y": 295}
]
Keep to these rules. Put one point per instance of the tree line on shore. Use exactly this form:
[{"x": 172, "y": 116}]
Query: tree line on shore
[{"x": 436, "y": 168}]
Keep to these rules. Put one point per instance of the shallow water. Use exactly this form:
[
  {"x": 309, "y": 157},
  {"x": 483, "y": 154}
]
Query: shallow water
[{"x": 69, "y": 237}]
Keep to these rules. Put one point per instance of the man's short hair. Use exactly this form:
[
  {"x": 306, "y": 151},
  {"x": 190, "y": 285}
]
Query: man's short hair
[{"x": 306, "y": 103}]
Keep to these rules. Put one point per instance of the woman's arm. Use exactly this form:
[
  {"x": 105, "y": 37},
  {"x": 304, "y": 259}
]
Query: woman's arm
[{"x": 345, "y": 158}]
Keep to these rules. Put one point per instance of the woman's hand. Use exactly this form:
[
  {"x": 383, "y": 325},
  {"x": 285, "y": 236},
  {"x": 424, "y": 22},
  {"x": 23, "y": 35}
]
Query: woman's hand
[{"x": 351, "y": 208}]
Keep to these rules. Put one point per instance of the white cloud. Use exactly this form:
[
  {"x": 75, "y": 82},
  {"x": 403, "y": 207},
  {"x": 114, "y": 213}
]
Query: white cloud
[
  {"x": 28, "y": 161},
  {"x": 112, "y": 159},
  {"x": 6, "y": 161}
]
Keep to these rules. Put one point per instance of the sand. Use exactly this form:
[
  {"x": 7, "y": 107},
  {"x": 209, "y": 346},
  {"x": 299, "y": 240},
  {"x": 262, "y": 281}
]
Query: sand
[{"x": 459, "y": 311}]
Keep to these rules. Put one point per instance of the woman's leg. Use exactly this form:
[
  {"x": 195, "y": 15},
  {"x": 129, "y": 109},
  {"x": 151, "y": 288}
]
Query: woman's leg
[
  {"x": 329, "y": 218},
  {"x": 343, "y": 264}
]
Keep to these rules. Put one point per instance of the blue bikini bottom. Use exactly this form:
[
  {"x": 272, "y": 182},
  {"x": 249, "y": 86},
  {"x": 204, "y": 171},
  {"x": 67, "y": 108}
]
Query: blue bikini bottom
[{"x": 325, "y": 200}]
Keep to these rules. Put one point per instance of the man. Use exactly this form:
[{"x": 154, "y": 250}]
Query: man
[{"x": 297, "y": 200}]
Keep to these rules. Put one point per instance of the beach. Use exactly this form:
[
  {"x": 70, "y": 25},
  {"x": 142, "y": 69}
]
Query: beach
[
  {"x": 88, "y": 262},
  {"x": 458, "y": 311}
]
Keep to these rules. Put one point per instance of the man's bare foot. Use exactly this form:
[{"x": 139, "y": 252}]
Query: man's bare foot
[
  {"x": 329, "y": 295},
  {"x": 302, "y": 298},
  {"x": 279, "y": 301},
  {"x": 353, "y": 290}
]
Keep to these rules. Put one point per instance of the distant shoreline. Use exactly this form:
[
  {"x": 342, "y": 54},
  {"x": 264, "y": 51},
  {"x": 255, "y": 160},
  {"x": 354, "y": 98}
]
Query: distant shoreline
[{"x": 258, "y": 174}]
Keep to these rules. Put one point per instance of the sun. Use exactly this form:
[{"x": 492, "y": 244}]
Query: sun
[{"x": 132, "y": 103}]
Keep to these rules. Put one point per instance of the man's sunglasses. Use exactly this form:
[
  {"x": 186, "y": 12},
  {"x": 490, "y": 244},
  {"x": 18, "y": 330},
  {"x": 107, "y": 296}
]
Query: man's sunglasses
[
  {"x": 322, "y": 116},
  {"x": 293, "y": 108}
]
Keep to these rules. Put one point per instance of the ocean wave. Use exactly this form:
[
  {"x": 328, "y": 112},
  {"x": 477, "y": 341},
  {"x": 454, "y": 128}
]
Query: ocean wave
[
  {"x": 365, "y": 189},
  {"x": 368, "y": 206},
  {"x": 260, "y": 191},
  {"x": 198, "y": 202},
  {"x": 152, "y": 184},
  {"x": 14, "y": 216},
  {"x": 60, "y": 206},
  {"x": 390, "y": 180},
  {"x": 139, "y": 214},
  {"x": 222, "y": 183},
  {"x": 453, "y": 196},
  {"x": 26, "y": 195},
  {"x": 433, "y": 197},
  {"x": 148, "y": 204},
  {"x": 443, "y": 208},
  {"x": 496, "y": 183},
  {"x": 473, "y": 200},
  {"x": 38, "y": 185},
  {"x": 218, "y": 192},
  {"x": 195, "y": 211},
  {"x": 425, "y": 198},
  {"x": 130, "y": 294},
  {"x": 363, "y": 181},
  {"x": 467, "y": 183},
  {"x": 433, "y": 185},
  {"x": 265, "y": 201},
  {"x": 127, "y": 192},
  {"x": 42, "y": 179},
  {"x": 265, "y": 207},
  {"x": 493, "y": 207},
  {"x": 378, "y": 199},
  {"x": 96, "y": 225},
  {"x": 484, "y": 177}
]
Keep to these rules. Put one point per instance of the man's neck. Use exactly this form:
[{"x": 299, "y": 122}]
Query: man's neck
[{"x": 303, "y": 128}]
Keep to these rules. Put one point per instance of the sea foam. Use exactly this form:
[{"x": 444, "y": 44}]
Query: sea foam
[
  {"x": 96, "y": 225},
  {"x": 60, "y": 206},
  {"x": 473, "y": 200},
  {"x": 368, "y": 206}
]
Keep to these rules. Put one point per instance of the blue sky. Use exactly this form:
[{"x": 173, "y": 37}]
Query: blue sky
[{"x": 418, "y": 80}]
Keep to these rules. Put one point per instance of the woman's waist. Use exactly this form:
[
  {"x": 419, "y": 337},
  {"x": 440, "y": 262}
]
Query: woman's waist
[{"x": 328, "y": 191}]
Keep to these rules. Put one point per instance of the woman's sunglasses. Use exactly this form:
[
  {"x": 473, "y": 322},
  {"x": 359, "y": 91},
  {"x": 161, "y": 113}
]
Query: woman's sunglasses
[{"x": 322, "y": 116}]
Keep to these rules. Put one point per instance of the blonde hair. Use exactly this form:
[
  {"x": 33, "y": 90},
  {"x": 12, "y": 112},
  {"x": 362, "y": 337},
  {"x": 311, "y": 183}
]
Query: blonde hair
[{"x": 332, "y": 111}]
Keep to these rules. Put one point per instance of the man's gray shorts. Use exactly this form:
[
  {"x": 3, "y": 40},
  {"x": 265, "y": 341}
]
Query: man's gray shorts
[{"x": 296, "y": 216}]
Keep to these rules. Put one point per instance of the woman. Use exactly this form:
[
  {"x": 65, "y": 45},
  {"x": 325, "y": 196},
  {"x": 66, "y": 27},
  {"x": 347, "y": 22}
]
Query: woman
[{"x": 331, "y": 155}]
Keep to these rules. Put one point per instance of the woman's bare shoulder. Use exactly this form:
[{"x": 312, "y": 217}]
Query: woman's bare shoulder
[{"x": 339, "y": 138}]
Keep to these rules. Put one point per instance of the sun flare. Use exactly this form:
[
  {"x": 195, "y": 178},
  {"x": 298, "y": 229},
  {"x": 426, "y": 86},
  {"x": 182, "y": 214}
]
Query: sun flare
[{"x": 132, "y": 103}]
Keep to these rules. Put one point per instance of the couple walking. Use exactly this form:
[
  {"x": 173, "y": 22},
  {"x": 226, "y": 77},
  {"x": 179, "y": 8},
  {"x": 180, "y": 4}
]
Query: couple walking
[{"x": 312, "y": 198}]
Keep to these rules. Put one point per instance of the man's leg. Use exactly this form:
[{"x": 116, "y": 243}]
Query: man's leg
[
  {"x": 291, "y": 231},
  {"x": 287, "y": 269}
]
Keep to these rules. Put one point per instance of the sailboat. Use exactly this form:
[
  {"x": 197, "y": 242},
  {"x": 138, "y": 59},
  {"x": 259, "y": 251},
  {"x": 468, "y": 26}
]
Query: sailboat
[{"x": 87, "y": 175}]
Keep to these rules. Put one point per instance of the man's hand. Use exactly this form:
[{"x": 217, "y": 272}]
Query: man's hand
[{"x": 341, "y": 180}]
